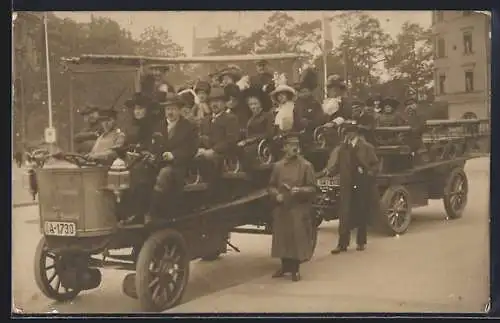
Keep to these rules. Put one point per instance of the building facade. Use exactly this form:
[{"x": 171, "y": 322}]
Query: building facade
[{"x": 462, "y": 42}]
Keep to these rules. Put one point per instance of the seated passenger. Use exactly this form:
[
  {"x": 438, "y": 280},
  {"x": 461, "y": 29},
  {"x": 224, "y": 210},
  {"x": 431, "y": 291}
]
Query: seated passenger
[
  {"x": 389, "y": 116},
  {"x": 337, "y": 105},
  {"x": 259, "y": 126},
  {"x": 364, "y": 116},
  {"x": 284, "y": 119},
  {"x": 111, "y": 140},
  {"x": 177, "y": 147},
  {"x": 230, "y": 75},
  {"x": 308, "y": 111},
  {"x": 414, "y": 118},
  {"x": 202, "y": 109},
  {"x": 264, "y": 79},
  {"x": 188, "y": 97},
  {"x": 140, "y": 130},
  {"x": 236, "y": 104},
  {"x": 86, "y": 138},
  {"x": 261, "y": 123},
  {"x": 220, "y": 133}
]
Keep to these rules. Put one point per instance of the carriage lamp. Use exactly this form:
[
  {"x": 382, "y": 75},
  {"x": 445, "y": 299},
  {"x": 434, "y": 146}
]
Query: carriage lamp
[{"x": 118, "y": 178}]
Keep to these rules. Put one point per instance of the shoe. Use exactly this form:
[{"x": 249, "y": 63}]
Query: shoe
[
  {"x": 360, "y": 247},
  {"x": 279, "y": 273},
  {"x": 296, "y": 277},
  {"x": 338, "y": 250}
]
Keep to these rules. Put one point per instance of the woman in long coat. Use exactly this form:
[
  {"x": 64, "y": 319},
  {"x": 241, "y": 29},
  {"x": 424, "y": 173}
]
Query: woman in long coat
[{"x": 292, "y": 187}]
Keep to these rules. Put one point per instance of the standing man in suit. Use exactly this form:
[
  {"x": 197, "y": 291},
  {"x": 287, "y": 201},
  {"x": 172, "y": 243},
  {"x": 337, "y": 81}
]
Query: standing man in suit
[
  {"x": 220, "y": 133},
  {"x": 176, "y": 141},
  {"x": 357, "y": 164}
]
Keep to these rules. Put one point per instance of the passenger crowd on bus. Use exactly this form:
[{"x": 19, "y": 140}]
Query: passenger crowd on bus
[{"x": 206, "y": 122}]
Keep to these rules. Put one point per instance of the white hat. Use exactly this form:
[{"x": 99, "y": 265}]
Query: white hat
[{"x": 284, "y": 88}]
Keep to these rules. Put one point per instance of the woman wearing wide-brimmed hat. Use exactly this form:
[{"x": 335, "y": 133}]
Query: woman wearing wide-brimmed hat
[
  {"x": 390, "y": 116},
  {"x": 236, "y": 103},
  {"x": 285, "y": 96},
  {"x": 139, "y": 131},
  {"x": 230, "y": 75}
]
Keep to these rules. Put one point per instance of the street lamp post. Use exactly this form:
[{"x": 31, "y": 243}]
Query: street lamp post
[{"x": 50, "y": 134}]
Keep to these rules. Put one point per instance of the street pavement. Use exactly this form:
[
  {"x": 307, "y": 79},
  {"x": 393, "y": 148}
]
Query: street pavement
[
  {"x": 439, "y": 265},
  {"x": 20, "y": 191}
]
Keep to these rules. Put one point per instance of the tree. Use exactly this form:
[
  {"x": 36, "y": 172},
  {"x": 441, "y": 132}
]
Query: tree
[
  {"x": 229, "y": 42},
  {"x": 156, "y": 41},
  {"x": 362, "y": 45},
  {"x": 410, "y": 58}
]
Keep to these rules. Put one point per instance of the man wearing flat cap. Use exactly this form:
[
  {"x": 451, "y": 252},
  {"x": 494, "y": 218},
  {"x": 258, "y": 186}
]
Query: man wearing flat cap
[
  {"x": 357, "y": 164},
  {"x": 220, "y": 133},
  {"x": 292, "y": 186},
  {"x": 264, "y": 79},
  {"x": 176, "y": 141},
  {"x": 337, "y": 105},
  {"x": 86, "y": 138},
  {"x": 111, "y": 140}
]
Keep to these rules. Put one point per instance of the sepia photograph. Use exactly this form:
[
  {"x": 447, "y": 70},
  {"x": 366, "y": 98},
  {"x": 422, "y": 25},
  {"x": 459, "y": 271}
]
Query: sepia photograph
[{"x": 251, "y": 162}]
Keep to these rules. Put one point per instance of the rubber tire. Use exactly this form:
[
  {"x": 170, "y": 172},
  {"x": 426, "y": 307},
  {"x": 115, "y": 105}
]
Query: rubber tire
[
  {"x": 458, "y": 171},
  {"x": 384, "y": 204},
  {"x": 40, "y": 278},
  {"x": 142, "y": 269}
]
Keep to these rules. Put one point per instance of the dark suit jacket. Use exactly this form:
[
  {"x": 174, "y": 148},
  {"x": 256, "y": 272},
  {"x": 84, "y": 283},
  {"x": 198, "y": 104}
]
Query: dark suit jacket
[
  {"x": 221, "y": 133},
  {"x": 308, "y": 114},
  {"x": 183, "y": 143},
  {"x": 261, "y": 125},
  {"x": 344, "y": 111}
]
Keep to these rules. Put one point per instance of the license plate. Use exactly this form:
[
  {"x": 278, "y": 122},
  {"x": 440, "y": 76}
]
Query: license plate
[
  {"x": 61, "y": 229},
  {"x": 327, "y": 182}
]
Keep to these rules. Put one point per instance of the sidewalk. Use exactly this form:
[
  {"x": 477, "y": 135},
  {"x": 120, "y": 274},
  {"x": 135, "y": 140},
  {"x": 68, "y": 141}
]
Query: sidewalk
[{"x": 20, "y": 195}]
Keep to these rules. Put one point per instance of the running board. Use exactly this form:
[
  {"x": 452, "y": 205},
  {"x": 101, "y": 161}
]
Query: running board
[{"x": 250, "y": 231}]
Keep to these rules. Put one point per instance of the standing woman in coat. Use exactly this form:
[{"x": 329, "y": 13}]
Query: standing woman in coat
[
  {"x": 357, "y": 164},
  {"x": 292, "y": 187}
]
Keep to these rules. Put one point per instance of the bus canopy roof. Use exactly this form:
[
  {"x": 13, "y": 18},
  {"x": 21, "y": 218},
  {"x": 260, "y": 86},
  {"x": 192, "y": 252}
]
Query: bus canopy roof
[{"x": 132, "y": 60}]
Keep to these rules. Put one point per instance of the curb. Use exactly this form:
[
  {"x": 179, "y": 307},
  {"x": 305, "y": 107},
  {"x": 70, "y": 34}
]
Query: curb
[{"x": 24, "y": 204}]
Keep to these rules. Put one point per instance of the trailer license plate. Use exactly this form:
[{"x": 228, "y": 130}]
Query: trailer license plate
[{"x": 62, "y": 229}]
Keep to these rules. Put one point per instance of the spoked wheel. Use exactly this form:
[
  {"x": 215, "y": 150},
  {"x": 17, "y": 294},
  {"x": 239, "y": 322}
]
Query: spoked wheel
[
  {"x": 455, "y": 192},
  {"x": 396, "y": 210},
  {"x": 264, "y": 153},
  {"x": 48, "y": 269},
  {"x": 162, "y": 271}
]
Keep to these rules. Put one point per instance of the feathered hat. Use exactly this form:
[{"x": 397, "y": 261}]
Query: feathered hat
[{"x": 257, "y": 92}]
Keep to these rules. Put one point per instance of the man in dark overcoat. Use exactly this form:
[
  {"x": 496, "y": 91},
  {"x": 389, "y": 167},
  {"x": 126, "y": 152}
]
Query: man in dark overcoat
[
  {"x": 264, "y": 79},
  {"x": 356, "y": 162},
  {"x": 86, "y": 138},
  {"x": 292, "y": 187},
  {"x": 220, "y": 133},
  {"x": 176, "y": 141}
]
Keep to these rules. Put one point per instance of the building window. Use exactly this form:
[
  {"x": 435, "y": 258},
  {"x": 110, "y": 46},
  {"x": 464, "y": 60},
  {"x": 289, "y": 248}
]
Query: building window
[
  {"x": 440, "y": 47},
  {"x": 442, "y": 80},
  {"x": 469, "y": 81},
  {"x": 467, "y": 40},
  {"x": 467, "y": 12},
  {"x": 439, "y": 15}
]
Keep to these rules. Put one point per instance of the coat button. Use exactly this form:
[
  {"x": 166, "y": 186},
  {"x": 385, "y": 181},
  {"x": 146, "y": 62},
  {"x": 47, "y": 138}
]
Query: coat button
[{"x": 355, "y": 186}]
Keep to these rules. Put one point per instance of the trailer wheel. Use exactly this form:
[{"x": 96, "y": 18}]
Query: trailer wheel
[
  {"x": 395, "y": 210},
  {"x": 162, "y": 271},
  {"x": 48, "y": 274},
  {"x": 455, "y": 193}
]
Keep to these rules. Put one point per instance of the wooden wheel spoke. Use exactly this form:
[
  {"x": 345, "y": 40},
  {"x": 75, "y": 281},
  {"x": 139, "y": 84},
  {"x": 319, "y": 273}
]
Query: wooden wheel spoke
[
  {"x": 58, "y": 285},
  {"x": 156, "y": 290},
  {"x": 50, "y": 267},
  {"x": 154, "y": 281},
  {"x": 51, "y": 279}
]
